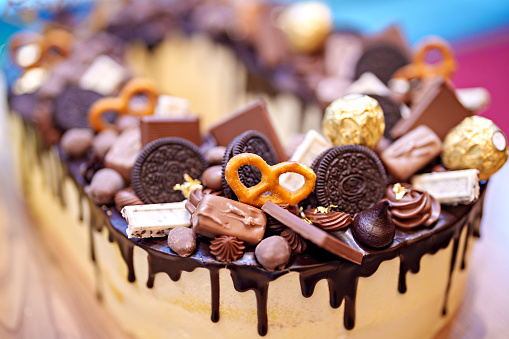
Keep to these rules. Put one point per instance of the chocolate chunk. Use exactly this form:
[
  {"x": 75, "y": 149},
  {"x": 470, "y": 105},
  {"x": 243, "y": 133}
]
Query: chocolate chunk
[
  {"x": 329, "y": 220},
  {"x": 253, "y": 116},
  {"x": 374, "y": 227},
  {"x": 350, "y": 177},
  {"x": 215, "y": 155},
  {"x": 439, "y": 109},
  {"x": 104, "y": 185},
  {"x": 381, "y": 60},
  {"x": 212, "y": 178},
  {"x": 216, "y": 216},
  {"x": 273, "y": 252},
  {"x": 126, "y": 197},
  {"x": 104, "y": 141},
  {"x": 161, "y": 165},
  {"x": 227, "y": 248},
  {"x": 123, "y": 152},
  {"x": 182, "y": 240},
  {"x": 248, "y": 142},
  {"x": 77, "y": 141},
  {"x": 157, "y": 127},
  {"x": 392, "y": 112},
  {"x": 313, "y": 233},
  {"x": 71, "y": 108}
]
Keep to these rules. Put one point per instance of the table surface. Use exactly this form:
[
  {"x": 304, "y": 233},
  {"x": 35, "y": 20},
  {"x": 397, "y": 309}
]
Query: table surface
[{"x": 41, "y": 294}]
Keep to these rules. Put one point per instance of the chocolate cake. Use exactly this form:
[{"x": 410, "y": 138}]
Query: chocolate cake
[{"x": 378, "y": 247}]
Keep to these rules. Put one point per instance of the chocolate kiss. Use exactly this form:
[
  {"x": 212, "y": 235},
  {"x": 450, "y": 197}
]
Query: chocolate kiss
[{"x": 374, "y": 227}]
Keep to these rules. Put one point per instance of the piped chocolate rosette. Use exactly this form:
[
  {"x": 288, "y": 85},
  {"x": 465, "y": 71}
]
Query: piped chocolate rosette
[{"x": 410, "y": 207}]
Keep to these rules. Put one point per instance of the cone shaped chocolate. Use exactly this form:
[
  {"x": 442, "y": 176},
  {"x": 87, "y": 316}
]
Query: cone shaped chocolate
[{"x": 374, "y": 227}]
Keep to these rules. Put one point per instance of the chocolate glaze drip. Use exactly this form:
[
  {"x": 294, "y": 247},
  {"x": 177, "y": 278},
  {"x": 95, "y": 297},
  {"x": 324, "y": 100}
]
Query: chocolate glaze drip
[{"x": 315, "y": 265}]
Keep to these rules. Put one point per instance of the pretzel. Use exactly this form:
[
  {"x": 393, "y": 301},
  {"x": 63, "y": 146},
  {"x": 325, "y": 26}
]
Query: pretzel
[
  {"x": 257, "y": 195},
  {"x": 120, "y": 104},
  {"x": 419, "y": 67}
]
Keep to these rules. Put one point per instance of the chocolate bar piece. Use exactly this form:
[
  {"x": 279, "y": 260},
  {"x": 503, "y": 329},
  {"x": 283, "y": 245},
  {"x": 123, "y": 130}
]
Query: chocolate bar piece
[
  {"x": 156, "y": 127},
  {"x": 104, "y": 76},
  {"x": 411, "y": 152},
  {"x": 313, "y": 233},
  {"x": 216, "y": 216},
  {"x": 123, "y": 152},
  {"x": 450, "y": 188},
  {"x": 155, "y": 220},
  {"x": 254, "y": 116},
  {"x": 439, "y": 109}
]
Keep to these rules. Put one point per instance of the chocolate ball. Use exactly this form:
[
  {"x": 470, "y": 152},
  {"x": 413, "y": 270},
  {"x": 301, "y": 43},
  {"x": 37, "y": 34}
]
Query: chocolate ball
[
  {"x": 103, "y": 142},
  {"x": 215, "y": 155},
  {"x": 374, "y": 226},
  {"x": 104, "y": 185},
  {"x": 182, "y": 240},
  {"x": 211, "y": 178},
  {"x": 273, "y": 252},
  {"x": 76, "y": 141}
]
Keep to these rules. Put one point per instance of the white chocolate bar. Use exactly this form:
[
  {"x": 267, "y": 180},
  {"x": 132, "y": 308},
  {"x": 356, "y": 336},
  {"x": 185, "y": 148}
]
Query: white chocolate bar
[
  {"x": 450, "y": 188},
  {"x": 155, "y": 220},
  {"x": 104, "y": 76},
  {"x": 168, "y": 106},
  {"x": 311, "y": 147},
  {"x": 368, "y": 83}
]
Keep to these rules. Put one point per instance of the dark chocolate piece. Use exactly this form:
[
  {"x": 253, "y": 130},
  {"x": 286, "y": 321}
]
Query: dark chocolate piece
[
  {"x": 161, "y": 165},
  {"x": 126, "y": 197},
  {"x": 248, "y": 142},
  {"x": 71, "y": 108},
  {"x": 374, "y": 227},
  {"x": 296, "y": 242},
  {"x": 381, "y": 60},
  {"x": 227, "y": 248},
  {"x": 313, "y": 233},
  {"x": 439, "y": 109},
  {"x": 329, "y": 221},
  {"x": 155, "y": 127},
  {"x": 254, "y": 116},
  {"x": 392, "y": 112},
  {"x": 216, "y": 216},
  {"x": 350, "y": 177}
]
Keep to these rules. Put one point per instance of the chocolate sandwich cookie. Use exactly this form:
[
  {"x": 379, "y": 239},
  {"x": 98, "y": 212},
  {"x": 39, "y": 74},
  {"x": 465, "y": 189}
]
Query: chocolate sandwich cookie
[
  {"x": 161, "y": 165},
  {"x": 350, "y": 177},
  {"x": 248, "y": 142},
  {"x": 381, "y": 60},
  {"x": 392, "y": 112},
  {"x": 71, "y": 108}
]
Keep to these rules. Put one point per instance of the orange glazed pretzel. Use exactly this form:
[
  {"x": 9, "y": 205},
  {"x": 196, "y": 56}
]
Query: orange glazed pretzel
[
  {"x": 420, "y": 68},
  {"x": 120, "y": 104},
  {"x": 268, "y": 188}
]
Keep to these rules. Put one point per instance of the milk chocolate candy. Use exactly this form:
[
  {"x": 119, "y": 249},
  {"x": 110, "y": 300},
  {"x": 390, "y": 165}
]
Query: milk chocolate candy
[
  {"x": 217, "y": 216},
  {"x": 157, "y": 127},
  {"x": 155, "y": 220},
  {"x": 254, "y": 116},
  {"x": 123, "y": 153},
  {"x": 439, "y": 109},
  {"x": 104, "y": 185},
  {"x": 411, "y": 152},
  {"x": 450, "y": 188}
]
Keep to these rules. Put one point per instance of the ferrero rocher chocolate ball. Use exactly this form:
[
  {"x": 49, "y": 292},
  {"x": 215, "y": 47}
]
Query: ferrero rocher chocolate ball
[
  {"x": 354, "y": 119},
  {"x": 475, "y": 143},
  {"x": 306, "y": 25}
]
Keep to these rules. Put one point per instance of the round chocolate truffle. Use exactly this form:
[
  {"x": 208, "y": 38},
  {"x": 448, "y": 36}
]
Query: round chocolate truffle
[
  {"x": 273, "y": 252},
  {"x": 211, "y": 178}
]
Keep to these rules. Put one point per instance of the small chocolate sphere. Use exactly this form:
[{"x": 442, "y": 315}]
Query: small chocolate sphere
[
  {"x": 374, "y": 227},
  {"x": 211, "y": 178},
  {"x": 273, "y": 252},
  {"x": 76, "y": 141},
  {"x": 215, "y": 155}
]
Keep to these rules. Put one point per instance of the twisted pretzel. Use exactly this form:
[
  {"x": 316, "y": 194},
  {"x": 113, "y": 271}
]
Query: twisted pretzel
[
  {"x": 419, "y": 68},
  {"x": 257, "y": 195},
  {"x": 120, "y": 104}
]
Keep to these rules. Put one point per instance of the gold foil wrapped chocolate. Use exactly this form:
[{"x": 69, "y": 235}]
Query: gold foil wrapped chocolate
[
  {"x": 354, "y": 119},
  {"x": 476, "y": 143},
  {"x": 306, "y": 25}
]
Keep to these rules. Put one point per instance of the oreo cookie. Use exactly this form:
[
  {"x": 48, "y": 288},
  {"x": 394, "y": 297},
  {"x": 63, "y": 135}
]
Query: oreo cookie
[
  {"x": 381, "y": 60},
  {"x": 392, "y": 112},
  {"x": 248, "y": 142},
  {"x": 71, "y": 108},
  {"x": 161, "y": 165},
  {"x": 351, "y": 177}
]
